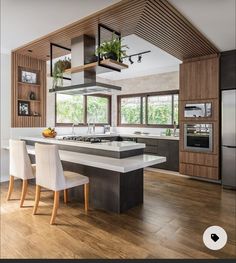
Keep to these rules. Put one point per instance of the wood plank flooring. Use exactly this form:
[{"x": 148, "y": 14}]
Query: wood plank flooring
[{"x": 169, "y": 224}]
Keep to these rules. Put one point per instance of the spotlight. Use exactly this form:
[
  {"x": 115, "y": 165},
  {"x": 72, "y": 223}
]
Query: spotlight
[
  {"x": 139, "y": 59},
  {"x": 131, "y": 61}
]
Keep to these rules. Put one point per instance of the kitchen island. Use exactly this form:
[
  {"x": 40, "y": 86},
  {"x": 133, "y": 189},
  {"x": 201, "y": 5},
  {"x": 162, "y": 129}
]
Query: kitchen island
[{"x": 116, "y": 182}]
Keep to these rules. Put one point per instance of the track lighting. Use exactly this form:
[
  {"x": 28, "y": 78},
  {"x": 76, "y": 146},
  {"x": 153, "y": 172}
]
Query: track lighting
[{"x": 139, "y": 59}]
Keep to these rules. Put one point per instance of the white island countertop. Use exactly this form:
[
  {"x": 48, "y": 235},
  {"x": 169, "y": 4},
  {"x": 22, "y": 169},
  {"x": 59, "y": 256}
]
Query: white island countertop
[
  {"x": 118, "y": 165},
  {"x": 108, "y": 146}
]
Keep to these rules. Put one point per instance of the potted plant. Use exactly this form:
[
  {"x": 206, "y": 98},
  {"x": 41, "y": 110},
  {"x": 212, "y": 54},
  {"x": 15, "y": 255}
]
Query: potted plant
[
  {"x": 112, "y": 49},
  {"x": 59, "y": 67}
]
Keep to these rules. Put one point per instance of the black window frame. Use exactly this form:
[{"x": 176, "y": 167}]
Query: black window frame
[{"x": 145, "y": 96}]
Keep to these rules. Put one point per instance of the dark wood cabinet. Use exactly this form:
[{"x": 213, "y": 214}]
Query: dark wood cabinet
[
  {"x": 228, "y": 70},
  {"x": 163, "y": 147}
]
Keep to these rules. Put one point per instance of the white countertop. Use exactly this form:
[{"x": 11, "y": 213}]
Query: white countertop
[
  {"x": 119, "y": 165},
  {"x": 109, "y": 146}
]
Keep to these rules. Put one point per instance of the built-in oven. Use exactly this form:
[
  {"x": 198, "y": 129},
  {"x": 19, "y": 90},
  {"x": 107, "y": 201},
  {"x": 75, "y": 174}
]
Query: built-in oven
[{"x": 198, "y": 137}]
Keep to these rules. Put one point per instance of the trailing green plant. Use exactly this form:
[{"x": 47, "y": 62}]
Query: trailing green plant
[
  {"x": 112, "y": 49},
  {"x": 59, "y": 67}
]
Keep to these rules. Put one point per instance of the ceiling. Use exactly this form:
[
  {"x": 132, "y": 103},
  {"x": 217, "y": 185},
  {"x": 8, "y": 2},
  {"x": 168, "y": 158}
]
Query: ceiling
[
  {"x": 213, "y": 18},
  {"x": 216, "y": 19},
  {"x": 25, "y": 20}
]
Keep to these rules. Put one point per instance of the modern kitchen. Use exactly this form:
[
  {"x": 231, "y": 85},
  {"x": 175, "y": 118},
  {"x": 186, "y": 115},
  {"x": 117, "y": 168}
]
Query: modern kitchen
[{"x": 118, "y": 131}]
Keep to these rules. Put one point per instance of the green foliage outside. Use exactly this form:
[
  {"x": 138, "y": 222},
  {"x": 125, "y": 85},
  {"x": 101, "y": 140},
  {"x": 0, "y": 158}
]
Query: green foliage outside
[
  {"x": 159, "y": 112},
  {"x": 70, "y": 109},
  {"x": 97, "y": 110}
]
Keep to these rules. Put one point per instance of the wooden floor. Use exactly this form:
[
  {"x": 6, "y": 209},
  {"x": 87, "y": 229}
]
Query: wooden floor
[{"x": 170, "y": 224}]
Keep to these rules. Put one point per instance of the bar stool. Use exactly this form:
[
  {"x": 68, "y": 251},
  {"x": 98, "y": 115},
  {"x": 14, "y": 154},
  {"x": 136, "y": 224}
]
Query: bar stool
[
  {"x": 20, "y": 167},
  {"x": 50, "y": 175}
]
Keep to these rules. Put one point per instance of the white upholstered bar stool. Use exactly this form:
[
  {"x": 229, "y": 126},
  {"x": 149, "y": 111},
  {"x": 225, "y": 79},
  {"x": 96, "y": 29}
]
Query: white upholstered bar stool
[
  {"x": 20, "y": 167},
  {"x": 50, "y": 175}
]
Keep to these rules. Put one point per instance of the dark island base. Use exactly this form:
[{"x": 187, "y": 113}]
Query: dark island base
[{"x": 109, "y": 190}]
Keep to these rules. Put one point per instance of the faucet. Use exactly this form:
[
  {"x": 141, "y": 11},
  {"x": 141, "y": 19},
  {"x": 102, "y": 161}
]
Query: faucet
[
  {"x": 94, "y": 127},
  {"x": 73, "y": 129},
  {"x": 175, "y": 127}
]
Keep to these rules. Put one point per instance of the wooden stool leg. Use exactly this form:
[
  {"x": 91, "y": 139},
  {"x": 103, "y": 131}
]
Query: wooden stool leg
[
  {"x": 11, "y": 187},
  {"x": 37, "y": 198},
  {"x": 55, "y": 207},
  {"x": 23, "y": 192},
  {"x": 65, "y": 196},
  {"x": 86, "y": 197}
]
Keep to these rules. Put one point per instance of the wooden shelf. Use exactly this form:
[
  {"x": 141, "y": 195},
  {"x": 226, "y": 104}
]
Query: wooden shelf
[
  {"x": 114, "y": 64},
  {"x": 106, "y": 62},
  {"x": 30, "y": 84},
  {"x": 30, "y": 100}
]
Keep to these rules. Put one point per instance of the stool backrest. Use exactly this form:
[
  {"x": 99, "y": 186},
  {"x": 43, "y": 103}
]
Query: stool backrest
[
  {"x": 49, "y": 171},
  {"x": 20, "y": 165}
]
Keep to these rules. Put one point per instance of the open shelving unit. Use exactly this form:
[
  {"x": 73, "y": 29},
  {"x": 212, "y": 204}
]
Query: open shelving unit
[
  {"x": 28, "y": 111},
  {"x": 108, "y": 62}
]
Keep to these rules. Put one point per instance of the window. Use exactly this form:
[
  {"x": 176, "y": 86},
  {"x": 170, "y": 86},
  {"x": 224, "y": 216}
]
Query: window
[
  {"x": 97, "y": 109},
  {"x": 153, "y": 109},
  {"x": 70, "y": 108},
  {"x": 83, "y": 109},
  {"x": 131, "y": 110}
]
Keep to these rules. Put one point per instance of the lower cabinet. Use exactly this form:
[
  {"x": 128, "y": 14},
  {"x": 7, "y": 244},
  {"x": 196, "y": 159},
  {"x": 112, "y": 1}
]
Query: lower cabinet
[{"x": 163, "y": 147}]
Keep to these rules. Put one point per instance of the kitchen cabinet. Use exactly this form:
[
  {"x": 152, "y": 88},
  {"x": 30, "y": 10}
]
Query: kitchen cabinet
[
  {"x": 199, "y": 79},
  {"x": 228, "y": 70},
  {"x": 163, "y": 147}
]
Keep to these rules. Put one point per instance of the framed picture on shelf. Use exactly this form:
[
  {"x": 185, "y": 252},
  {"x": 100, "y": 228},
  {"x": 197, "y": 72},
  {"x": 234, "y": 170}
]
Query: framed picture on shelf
[
  {"x": 23, "y": 108},
  {"x": 28, "y": 77}
]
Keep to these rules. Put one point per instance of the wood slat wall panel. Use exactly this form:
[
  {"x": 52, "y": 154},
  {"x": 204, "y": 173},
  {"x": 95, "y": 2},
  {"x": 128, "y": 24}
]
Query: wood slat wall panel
[
  {"x": 18, "y": 91},
  {"x": 156, "y": 21}
]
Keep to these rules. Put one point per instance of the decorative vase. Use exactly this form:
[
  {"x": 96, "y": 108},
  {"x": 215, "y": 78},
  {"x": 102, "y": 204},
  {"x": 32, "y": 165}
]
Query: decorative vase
[{"x": 32, "y": 96}]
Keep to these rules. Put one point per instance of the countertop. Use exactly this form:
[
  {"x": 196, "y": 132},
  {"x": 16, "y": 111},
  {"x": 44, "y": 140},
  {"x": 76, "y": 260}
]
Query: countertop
[
  {"x": 131, "y": 135},
  {"x": 119, "y": 165},
  {"x": 109, "y": 146}
]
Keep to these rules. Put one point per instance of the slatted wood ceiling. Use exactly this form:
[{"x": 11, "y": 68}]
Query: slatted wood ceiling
[{"x": 156, "y": 21}]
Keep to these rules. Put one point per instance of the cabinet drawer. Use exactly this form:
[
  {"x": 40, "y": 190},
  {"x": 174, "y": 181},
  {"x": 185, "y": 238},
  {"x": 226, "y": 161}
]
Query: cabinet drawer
[
  {"x": 199, "y": 158},
  {"x": 199, "y": 171}
]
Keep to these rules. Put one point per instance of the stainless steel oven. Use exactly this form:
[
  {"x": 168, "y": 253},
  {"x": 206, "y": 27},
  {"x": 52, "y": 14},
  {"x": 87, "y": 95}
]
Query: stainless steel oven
[{"x": 198, "y": 137}]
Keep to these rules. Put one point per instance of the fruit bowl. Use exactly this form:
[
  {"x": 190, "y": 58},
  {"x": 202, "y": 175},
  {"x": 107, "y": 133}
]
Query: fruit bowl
[{"x": 49, "y": 133}]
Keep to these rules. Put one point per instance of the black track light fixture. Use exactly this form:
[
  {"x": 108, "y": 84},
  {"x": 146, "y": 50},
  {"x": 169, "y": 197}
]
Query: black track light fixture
[
  {"x": 130, "y": 60},
  {"x": 139, "y": 59}
]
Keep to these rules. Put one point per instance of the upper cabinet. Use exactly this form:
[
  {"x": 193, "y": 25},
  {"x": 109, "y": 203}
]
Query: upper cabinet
[
  {"x": 199, "y": 79},
  {"x": 228, "y": 70}
]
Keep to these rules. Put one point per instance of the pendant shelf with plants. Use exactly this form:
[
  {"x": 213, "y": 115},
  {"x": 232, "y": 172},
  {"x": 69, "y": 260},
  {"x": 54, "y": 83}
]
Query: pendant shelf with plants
[{"x": 109, "y": 54}]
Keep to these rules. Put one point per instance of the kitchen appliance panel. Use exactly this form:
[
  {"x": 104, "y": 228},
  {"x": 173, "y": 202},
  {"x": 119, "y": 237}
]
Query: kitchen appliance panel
[
  {"x": 198, "y": 137},
  {"x": 228, "y": 166},
  {"x": 195, "y": 110},
  {"x": 228, "y": 118}
]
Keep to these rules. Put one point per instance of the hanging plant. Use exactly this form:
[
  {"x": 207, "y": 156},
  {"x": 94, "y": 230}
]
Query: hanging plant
[
  {"x": 112, "y": 49},
  {"x": 59, "y": 67}
]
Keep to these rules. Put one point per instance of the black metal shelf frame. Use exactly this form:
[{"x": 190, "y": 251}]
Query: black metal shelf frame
[
  {"x": 101, "y": 26},
  {"x": 51, "y": 57}
]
